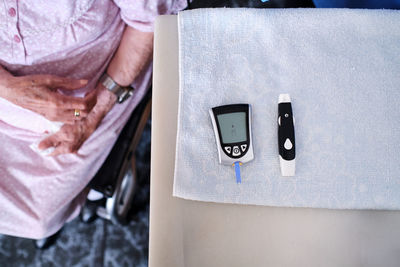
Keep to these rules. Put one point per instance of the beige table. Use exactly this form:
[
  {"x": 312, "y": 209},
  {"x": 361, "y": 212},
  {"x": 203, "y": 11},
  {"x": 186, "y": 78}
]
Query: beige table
[{"x": 192, "y": 233}]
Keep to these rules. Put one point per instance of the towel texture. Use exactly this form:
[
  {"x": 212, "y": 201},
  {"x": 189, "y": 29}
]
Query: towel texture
[{"x": 341, "y": 68}]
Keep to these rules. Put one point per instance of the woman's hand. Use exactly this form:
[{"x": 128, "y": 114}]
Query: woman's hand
[
  {"x": 71, "y": 136},
  {"x": 133, "y": 54},
  {"x": 38, "y": 93}
]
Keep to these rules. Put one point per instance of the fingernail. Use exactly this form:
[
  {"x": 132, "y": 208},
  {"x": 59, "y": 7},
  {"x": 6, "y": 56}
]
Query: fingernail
[{"x": 83, "y": 81}]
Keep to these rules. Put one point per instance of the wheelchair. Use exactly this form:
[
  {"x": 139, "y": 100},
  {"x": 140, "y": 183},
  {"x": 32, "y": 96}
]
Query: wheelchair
[{"x": 117, "y": 179}]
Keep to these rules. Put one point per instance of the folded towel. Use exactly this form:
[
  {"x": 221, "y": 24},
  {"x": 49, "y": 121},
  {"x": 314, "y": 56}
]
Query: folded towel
[{"x": 341, "y": 68}]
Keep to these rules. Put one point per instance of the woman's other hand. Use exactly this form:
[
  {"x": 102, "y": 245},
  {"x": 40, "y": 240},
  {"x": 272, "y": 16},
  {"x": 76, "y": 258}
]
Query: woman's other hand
[{"x": 38, "y": 93}]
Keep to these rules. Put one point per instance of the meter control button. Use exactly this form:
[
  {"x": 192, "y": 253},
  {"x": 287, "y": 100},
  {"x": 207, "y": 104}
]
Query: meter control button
[
  {"x": 236, "y": 151},
  {"x": 228, "y": 149},
  {"x": 243, "y": 147}
]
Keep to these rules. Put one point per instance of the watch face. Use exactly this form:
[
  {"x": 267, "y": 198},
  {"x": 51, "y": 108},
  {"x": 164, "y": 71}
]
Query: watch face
[{"x": 128, "y": 91}]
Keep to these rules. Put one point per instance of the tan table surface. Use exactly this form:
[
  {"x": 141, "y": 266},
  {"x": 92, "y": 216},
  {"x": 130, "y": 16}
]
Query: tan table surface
[{"x": 193, "y": 233}]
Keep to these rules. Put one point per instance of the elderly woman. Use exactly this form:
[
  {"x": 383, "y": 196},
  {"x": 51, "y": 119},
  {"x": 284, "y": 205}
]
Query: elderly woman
[{"x": 60, "y": 64}]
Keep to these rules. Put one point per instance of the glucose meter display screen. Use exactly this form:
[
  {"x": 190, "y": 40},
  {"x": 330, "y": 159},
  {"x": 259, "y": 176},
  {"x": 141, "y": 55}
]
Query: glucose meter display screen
[{"x": 233, "y": 127}]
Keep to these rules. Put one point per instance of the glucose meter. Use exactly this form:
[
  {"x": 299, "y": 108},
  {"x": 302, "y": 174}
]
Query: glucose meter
[{"x": 232, "y": 128}]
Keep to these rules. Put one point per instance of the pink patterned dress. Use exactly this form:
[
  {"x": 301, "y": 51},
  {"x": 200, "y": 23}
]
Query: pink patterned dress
[{"x": 71, "y": 38}]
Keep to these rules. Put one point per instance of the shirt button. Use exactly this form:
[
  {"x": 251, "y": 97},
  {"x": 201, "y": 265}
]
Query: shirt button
[
  {"x": 17, "y": 39},
  {"x": 12, "y": 12}
]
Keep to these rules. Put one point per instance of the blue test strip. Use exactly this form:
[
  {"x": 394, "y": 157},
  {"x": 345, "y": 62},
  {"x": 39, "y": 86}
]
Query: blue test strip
[{"x": 237, "y": 171}]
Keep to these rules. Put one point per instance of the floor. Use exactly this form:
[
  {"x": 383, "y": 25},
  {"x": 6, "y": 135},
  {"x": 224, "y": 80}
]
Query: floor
[{"x": 102, "y": 243}]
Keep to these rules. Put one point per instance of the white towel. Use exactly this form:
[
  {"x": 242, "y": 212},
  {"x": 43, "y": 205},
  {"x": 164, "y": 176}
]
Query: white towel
[{"x": 342, "y": 70}]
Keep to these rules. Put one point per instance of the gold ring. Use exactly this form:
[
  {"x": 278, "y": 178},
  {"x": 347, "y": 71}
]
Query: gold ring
[{"x": 77, "y": 112}]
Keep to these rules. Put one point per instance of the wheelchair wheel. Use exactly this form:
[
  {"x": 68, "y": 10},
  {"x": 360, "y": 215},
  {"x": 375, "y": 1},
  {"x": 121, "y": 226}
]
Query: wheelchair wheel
[{"x": 120, "y": 203}]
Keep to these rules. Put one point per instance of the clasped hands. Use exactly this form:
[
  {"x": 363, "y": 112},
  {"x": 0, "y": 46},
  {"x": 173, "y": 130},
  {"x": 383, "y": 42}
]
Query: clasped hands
[{"x": 38, "y": 93}]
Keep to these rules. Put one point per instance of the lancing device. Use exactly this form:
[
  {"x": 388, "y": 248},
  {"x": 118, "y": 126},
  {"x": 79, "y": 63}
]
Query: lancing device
[{"x": 286, "y": 139}]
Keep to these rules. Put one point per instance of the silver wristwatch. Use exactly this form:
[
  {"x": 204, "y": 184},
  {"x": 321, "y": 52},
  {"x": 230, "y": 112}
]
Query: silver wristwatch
[{"x": 122, "y": 93}]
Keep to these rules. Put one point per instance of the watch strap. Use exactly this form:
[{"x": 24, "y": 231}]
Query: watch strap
[{"x": 121, "y": 92}]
